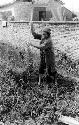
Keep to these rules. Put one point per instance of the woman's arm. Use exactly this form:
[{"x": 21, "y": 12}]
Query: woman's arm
[
  {"x": 36, "y": 36},
  {"x": 42, "y": 46}
]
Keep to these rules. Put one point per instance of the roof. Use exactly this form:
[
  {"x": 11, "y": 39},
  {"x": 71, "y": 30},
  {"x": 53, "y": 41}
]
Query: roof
[
  {"x": 7, "y": 5},
  {"x": 37, "y": 1},
  {"x": 61, "y": 2},
  {"x": 68, "y": 12}
]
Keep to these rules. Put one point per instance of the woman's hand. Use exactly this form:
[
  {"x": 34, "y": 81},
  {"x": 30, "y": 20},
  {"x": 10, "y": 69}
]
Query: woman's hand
[{"x": 32, "y": 28}]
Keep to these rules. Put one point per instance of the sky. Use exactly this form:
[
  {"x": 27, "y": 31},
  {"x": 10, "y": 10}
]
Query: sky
[{"x": 73, "y": 5}]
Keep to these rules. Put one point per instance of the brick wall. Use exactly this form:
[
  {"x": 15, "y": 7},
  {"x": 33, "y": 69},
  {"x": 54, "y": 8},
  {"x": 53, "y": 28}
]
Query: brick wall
[{"x": 65, "y": 36}]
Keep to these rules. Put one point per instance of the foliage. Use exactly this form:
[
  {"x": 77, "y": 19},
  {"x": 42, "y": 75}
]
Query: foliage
[{"x": 22, "y": 100}]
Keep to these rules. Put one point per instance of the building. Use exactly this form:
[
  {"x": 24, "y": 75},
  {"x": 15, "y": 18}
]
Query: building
[
  {"x": 7, "y": 12},
  {"x": 46, "y": 11},
  {"x": 67, "y": 14},
  {"x": 21, "y": 10}
]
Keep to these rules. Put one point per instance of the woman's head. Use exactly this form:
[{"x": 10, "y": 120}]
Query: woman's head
[{"x": 46, "y": 33}]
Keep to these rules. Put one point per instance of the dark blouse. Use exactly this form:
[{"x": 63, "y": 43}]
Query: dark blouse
[{"x": 46, "y": 53}]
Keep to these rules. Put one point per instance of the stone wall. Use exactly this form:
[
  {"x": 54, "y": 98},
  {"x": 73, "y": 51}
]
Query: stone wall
[
  {"x": 65, "y": 36},
  {"x": 22, "y": 11}
]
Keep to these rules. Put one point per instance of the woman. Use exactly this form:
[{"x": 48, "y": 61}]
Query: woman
[{"x": 47, "y": 61}]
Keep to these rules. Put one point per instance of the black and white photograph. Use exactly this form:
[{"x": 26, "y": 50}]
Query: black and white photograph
[{"x": 39, "y": 62}]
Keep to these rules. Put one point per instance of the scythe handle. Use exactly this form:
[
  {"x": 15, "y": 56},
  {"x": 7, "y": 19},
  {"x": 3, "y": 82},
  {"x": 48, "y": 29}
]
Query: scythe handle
[{"x": 30, "y": 24}]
